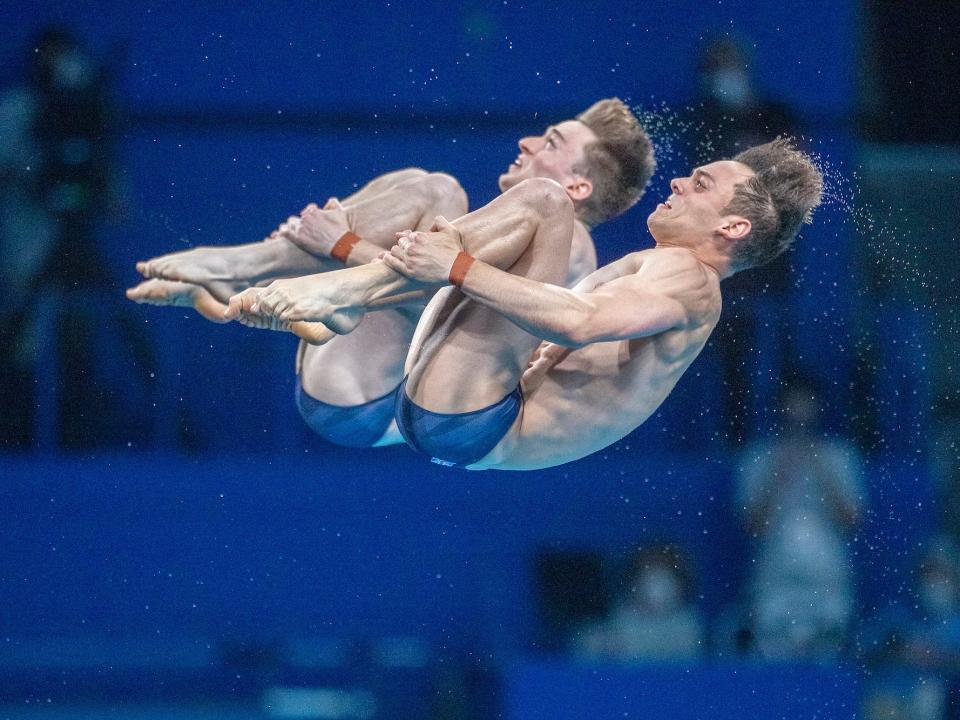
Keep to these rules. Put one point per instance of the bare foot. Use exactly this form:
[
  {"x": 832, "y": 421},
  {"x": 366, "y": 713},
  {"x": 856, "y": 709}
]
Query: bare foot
[
  {"x": 298, "y": 299},
  {"x": 179, "y": 294},
  {"x": 225, "y": 271}
]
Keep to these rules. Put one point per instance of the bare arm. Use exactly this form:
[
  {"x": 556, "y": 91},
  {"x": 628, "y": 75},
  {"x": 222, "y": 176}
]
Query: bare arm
[
  {"x": 627, "y": 299},
  {"x": 621, "y": 309}
]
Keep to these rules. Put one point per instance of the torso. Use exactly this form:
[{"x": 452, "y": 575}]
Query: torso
[{"x": 593, "y": 396}]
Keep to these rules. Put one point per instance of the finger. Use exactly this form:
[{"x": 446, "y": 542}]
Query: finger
[
  {"x": 332, "y": 204},
  {"x": 395, "y": 264},
  {"x": 310, "y": 208}
]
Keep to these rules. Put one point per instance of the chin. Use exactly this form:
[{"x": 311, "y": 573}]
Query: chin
[{"x": 653, "y": 224}]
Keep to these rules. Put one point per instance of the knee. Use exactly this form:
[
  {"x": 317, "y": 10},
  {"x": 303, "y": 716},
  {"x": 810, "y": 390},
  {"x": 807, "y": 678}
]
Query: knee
[
  {"x": 442, "y": 184},
  {"x": 444, "y": 190},
  {"x": 410, "y": 173},
  {"x": 544, "y": 196}
]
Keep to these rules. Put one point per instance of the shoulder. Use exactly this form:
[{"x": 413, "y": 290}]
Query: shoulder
[{"x": 676, "y": 270}]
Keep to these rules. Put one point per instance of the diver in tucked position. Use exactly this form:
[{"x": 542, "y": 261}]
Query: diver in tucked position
[
  {"x": 603, "y": 159},
  {"x": 482, "y": 389}
]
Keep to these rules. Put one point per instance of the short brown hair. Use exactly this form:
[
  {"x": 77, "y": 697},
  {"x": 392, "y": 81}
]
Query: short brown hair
[
  {"x": 777, "y": 200},
  {"x": 619, "y": 163}
]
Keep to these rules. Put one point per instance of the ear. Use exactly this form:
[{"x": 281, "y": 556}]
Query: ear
[
  {"x": 579, "y": 188},
  {"x": 735, "y": 227}
]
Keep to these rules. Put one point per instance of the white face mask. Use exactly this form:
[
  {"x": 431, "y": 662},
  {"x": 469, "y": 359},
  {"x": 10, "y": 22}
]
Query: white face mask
[{"x": 659, "y": 590}]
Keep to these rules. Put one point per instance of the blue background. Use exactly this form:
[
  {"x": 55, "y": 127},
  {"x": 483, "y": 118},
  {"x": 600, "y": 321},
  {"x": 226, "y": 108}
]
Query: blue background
[{"x": 231, "y": 119}]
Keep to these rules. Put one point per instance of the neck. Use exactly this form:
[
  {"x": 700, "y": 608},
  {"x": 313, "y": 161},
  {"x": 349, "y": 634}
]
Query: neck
[{"x": 707, "y": 254}]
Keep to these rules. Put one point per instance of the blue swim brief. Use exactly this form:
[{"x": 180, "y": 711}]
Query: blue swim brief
[
  {"x": 455, "y": 438},
  {"x": 357, "y": 426}
]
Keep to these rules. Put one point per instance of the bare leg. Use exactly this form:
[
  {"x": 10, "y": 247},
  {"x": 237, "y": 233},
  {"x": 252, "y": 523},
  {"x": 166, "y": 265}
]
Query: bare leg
[
  {"x": 178, "y": 294},
  {"x": 181, "y": 294},
  {"x": 368, "y": 363},
  {"x": 224, "y": 271},
  {"x": 381, "y": 183},
  {"x": 377, "y": 217},
  {"x": 467, "y": 356}
]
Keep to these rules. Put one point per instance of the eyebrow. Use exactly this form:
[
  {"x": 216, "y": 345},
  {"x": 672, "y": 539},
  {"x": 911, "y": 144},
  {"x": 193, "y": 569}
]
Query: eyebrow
[{"x": 707, "y": 175}]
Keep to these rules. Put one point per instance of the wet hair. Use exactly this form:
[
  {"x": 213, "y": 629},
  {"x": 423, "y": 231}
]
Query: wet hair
[
  {"x": 619, "y": 162},
  {"x": 777, "y": 200}
]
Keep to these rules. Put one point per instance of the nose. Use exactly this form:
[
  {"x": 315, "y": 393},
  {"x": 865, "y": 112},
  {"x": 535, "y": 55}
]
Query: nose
[
  {"x": 529, "y": 145},
  {"x": 675, "y": 186}
]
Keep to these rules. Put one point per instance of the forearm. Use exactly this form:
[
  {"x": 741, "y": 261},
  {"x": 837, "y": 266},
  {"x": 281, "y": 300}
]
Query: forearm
[
  {"x": 545, "y": 311},
  {"x": 363, "y": 252}
]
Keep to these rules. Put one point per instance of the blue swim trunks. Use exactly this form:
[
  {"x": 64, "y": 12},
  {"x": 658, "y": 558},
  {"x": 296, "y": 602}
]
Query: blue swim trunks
[
  {"x": 357, "y": 426},
  {"x": 456, "y": 438}
]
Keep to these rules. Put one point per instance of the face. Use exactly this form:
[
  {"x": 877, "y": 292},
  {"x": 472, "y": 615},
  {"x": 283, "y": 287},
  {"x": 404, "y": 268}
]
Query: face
[
  {"x": 694, "y": 209},
  {"x": 552, "y": 155}
]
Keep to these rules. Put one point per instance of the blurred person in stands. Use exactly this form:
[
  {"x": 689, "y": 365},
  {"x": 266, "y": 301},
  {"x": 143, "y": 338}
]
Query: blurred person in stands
[
  {"x": 655, "y": 617},
  {"x": 734, "y": 113},
  {"x": 945, "y": 457},
  {"x": 55, "y": 169},
  {"x": 913, "y": 650},
  {"x": 801, "y": 495}
]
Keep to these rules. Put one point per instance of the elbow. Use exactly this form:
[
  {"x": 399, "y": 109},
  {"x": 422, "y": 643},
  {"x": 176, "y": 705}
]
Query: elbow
[{"x": 577, "y": 332}]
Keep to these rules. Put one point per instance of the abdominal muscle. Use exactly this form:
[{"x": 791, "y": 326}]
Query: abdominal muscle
[{"x": 593, "y": 397}]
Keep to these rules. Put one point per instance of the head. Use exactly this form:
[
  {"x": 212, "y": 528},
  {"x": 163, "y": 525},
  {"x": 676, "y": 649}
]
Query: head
[
  {"x": 603, "y": 158},
  {"x": 749, "y": 209},
  {"x": 722, "y": 72},
  {"x": 659, "y": 580},
  {"x": 58, "y": 63}
]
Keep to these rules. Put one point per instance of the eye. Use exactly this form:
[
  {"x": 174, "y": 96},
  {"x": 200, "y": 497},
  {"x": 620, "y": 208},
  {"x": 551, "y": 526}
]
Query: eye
[
  {"x": 551, "y": 143},
  {"x": 699, "y": 184}
]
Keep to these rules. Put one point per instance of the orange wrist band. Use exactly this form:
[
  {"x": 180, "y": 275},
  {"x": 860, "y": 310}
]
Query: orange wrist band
[
  {"x": 458, "y": 271},
  {"x": 344, "y": 246}
]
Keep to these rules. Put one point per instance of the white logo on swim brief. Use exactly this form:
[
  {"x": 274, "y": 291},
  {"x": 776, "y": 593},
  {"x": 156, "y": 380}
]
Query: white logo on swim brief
[{"x": 445, "y": 463}]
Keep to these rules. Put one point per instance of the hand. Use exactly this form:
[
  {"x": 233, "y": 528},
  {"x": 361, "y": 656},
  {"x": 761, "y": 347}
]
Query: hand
[
  {"x": 426, "y": 256},
  {"x": 320, "y": 229},
  {"x": 547, "y": 355},
  {"x": 287, "y": 229}
]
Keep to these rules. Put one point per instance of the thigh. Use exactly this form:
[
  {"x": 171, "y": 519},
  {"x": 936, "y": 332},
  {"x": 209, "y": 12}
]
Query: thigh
[{"x": 359, "y": 367}]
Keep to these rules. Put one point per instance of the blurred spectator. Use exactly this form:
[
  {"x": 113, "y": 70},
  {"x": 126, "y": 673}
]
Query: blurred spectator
[
  {"x": 55, "y": 168},
  {"x": 735, "y": 114},
  {"x": 655, "y": 618},
  {"x": 945, "y": 455},
  {"x": 801, "y": 495},
  {"x": 914, "y": 651}
]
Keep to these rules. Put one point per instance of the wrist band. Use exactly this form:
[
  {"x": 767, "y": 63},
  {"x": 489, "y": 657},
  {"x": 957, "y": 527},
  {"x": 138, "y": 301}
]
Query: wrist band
[
  {"x": 344, "y": 246},
  {"x": 458, "y": 271}
]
